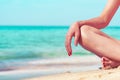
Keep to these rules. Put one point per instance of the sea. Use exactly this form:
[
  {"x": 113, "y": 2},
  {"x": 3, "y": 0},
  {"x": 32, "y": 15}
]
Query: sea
[{"x": 20, "y": 44}]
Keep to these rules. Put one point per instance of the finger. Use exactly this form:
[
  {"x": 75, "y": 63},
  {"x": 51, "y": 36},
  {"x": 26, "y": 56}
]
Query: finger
[
  {"x": 68, "y": 44},
  {"x": 77, "y": 36}
]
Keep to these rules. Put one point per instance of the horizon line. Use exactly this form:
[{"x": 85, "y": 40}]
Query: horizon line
[{"x": 51, "y": 25}]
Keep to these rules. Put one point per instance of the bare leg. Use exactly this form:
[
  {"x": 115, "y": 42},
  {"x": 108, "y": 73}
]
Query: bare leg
[
  {"x": 99, "y": 43},
  {"x": 108, "y": 64}
]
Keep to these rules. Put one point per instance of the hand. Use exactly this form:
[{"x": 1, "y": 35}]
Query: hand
[{"x": 74, "y": 31}]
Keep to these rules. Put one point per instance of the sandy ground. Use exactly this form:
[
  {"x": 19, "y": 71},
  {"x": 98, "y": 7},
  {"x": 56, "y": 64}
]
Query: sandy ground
[
  {"x": 45, "y": 67},
  {"x": 113, "y": 74}
]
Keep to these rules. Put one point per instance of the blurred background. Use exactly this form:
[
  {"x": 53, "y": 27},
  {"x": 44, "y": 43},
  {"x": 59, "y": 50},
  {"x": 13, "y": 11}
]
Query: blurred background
[{"x": 33, "y": 30}]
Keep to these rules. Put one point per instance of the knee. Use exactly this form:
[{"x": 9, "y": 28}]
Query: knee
[
  {"x": 85, "y": 35},
  {"x": 85, "y": 29}
]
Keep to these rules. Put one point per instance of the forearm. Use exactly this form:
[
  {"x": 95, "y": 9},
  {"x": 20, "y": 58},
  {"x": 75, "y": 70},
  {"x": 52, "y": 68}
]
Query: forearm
[
  {"x": 97, "y": 22},
  {"x": 105, "y": 17}
]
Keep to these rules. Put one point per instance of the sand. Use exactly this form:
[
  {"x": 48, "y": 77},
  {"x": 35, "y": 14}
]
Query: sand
[
  {"x": 112, "y": 74},
  {"x": 50, "y": 66}
]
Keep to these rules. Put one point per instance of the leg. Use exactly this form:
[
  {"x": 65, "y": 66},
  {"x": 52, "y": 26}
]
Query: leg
[
  {"x": 99, "y": 43},
  {"x": 108, "y": 64}
]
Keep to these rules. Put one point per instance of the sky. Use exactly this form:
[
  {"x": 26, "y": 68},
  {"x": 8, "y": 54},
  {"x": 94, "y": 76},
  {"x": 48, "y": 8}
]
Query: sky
[{"x": 51, "y": 12}]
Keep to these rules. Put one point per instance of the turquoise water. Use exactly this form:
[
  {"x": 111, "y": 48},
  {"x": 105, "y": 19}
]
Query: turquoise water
[
  {"x": 36, "y": 42},
  {"x": 19, "y": 42},
  {"x": 31, "y": 42}
]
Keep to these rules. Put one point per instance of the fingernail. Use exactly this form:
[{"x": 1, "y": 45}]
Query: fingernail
[{"x": 69, "y": 54}]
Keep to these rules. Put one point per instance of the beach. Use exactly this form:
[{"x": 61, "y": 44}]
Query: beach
[
  {"x": 69, "y": 68},
  {"x": 112, "y": 74},
  {"x": 38, "y": 39},
  {"x": 45, "y": 67}
]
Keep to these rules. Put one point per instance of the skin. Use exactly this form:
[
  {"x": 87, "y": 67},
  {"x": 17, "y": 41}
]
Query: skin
[{"x": 87, "y": 34}]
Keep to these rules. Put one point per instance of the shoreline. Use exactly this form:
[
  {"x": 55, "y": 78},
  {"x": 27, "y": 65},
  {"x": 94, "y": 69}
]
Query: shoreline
[{"x": 44, "y": 67}]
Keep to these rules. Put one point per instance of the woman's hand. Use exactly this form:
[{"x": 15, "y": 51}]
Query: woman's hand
[{"x": 74, "y": 31}]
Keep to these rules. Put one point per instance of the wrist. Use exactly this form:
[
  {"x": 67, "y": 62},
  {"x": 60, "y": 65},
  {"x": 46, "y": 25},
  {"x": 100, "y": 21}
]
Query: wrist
[{"x": 81, "y": 23}]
